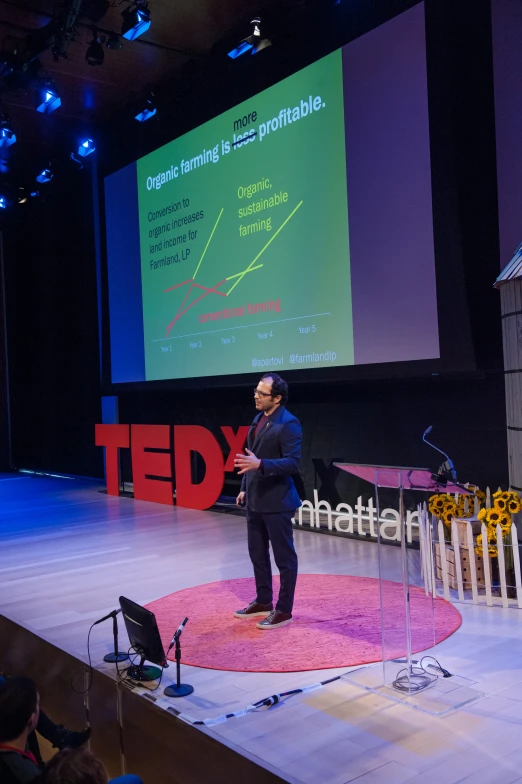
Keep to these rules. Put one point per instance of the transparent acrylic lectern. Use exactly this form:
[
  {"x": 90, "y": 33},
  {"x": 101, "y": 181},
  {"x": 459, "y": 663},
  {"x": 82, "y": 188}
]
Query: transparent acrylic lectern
[{"x": 409, "y": 608}]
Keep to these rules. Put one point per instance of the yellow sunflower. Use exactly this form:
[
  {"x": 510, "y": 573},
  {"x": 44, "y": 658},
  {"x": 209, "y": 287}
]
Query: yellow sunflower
[
  {"x": 498, "y": 493},
  {"x": 492, "y": 550},
  {"x": 500, "y": 503},
  {"x": 494, "y": 515},
  {"x": 483, "y": 515},
  {"x": 513, "y": 506}
]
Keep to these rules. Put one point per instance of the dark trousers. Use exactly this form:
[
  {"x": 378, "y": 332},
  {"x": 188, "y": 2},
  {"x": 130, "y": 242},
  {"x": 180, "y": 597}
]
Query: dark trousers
[
  {"x": 274, "y": 528},
  {"x": 52, "y": 732}
]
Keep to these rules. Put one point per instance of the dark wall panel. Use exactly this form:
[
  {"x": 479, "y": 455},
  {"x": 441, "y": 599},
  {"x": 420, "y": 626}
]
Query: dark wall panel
[{"x": 53, "y": 332}]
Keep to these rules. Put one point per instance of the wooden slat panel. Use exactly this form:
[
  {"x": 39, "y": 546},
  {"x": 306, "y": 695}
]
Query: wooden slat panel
[
  {"x": 458, "y": 567},
  {"x": 444, "y": 565},
  {"x": 502, "y": 567},
  {"x": 487, "y": 566}
]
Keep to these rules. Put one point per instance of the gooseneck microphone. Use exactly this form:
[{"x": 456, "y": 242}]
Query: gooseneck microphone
[
  {"x": 447, "y": 470},
  {"x": 112, "y": 614}
]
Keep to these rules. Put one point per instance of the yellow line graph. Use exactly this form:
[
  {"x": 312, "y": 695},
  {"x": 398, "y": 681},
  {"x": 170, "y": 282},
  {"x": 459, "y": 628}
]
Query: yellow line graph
[
  {"x": 186, "y": 306},
  {"x": 208, "y": 243},
  {"x": 272, "y": 238},
  {"x": 244, "y": 272}
]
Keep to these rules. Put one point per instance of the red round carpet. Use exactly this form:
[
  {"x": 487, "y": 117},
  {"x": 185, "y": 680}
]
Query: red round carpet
[{"x": 337, "y": 623}]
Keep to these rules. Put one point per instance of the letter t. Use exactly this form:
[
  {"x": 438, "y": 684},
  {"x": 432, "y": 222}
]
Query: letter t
[{"x": 113, "y": 438}]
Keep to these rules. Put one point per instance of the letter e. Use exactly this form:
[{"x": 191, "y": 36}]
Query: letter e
[{"x": 147, "y": 464}]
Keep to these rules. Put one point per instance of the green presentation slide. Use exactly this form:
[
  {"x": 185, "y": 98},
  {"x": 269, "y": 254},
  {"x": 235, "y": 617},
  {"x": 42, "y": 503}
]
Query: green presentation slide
[{"x": 244, "y": 236}]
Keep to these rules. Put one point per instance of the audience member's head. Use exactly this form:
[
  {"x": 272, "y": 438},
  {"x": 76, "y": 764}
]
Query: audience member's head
[
  {"x": 75, "y": 766},
  {"x": 19, "y": 709}
]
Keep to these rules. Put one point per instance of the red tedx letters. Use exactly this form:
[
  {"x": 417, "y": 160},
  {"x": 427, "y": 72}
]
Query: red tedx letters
[{"x": 152, "y": 461}]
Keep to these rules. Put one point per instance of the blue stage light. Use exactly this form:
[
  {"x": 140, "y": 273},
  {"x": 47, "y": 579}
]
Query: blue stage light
[
  {"x": 147, "y": 112},
  {"x": 45, "y": 175},
  {"x": 136, "y": 21},
  {"x": 47, "y": 100},
  {"x": 86, "y": 147},
  {"x": 7, "y": 136},
  {"x": 3, "y": 203},
  {"x": 243, "y": 48}
]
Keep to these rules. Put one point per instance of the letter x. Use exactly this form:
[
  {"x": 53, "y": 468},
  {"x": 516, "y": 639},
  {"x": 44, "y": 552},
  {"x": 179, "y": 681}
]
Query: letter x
[
  {"x": 328, "y": 476},
  {"x": 236, "y": 442}
]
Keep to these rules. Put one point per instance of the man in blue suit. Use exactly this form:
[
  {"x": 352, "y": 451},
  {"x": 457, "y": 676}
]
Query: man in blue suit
[{"x": 272, "y": 458}]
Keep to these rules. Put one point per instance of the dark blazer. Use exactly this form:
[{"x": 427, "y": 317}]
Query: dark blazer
[{"x": 271, "y": 488}]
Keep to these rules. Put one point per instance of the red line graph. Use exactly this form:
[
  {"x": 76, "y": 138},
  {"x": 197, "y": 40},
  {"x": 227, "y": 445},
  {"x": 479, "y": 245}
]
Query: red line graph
[{"x": 192, "y": 285}]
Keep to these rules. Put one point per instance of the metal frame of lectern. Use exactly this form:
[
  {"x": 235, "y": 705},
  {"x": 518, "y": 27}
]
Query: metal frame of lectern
[{"x": 398, "y": 678}]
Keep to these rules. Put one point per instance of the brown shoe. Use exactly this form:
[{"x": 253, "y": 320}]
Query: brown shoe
[
  {"x": 275, "y": 620},
  {"x": 254, "y": 610}
]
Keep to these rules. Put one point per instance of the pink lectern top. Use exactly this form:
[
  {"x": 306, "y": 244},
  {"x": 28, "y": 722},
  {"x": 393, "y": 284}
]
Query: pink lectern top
[{"x": 398, "y": 476}]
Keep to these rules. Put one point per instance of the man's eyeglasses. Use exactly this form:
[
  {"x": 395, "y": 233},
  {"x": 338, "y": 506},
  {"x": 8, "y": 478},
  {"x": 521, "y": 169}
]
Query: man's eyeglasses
[{"x": 261, "y": 394}]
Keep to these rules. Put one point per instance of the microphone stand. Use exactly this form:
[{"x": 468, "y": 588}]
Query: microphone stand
[
  {"x": 116, "y": 655},
  {"x": 179, "y": 689},
  {"x": 447, "y": 470}
]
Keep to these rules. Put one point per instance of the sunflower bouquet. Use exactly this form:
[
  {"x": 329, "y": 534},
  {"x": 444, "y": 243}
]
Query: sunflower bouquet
[
  {"x": 505, "y": 504},
  {"x": 446, "y": 506}
]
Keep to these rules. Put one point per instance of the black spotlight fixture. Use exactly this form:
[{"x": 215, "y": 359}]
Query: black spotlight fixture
[
  {"x": 253, "y": 44},
  {"x": 95, "y": 54},
  {"x": 114, "y": 42}
]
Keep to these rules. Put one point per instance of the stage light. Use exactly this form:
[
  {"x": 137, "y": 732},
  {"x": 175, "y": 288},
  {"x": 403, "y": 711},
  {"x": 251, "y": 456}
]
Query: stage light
[
  {"x": 60, "y": 47},
  {"x": 95, "y": 9},
  {"x": 243, "y": 48},
  {"x": 95, "y": 54},
  {"x": 47, "y": 100},
  {"x": 252, "y": 44},
  {"x": 7, "y": 64},
  {"x": 3, "y": 202},
  {"x": 86, "y": 148},
  {"x": 114, "y": 42},
  {"x": 136, "y": 21},
  {"x": 45, "y": 175},
  {"x": 148, "y": 111},
  {"x": 77, "y": 163},
  {"x": 7, "y": 135}
]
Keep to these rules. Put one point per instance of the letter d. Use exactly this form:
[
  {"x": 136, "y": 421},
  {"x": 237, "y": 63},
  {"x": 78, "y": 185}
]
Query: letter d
[{"x": 194, "y": 438}]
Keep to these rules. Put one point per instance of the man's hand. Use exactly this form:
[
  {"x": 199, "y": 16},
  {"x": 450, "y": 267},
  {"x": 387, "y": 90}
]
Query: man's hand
[
  {"x": 248, "y": 462},
  {"x": 240, "y": 500}
]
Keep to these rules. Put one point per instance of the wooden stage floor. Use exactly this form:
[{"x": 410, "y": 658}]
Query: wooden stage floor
[{"x": 68, "y": 552}]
